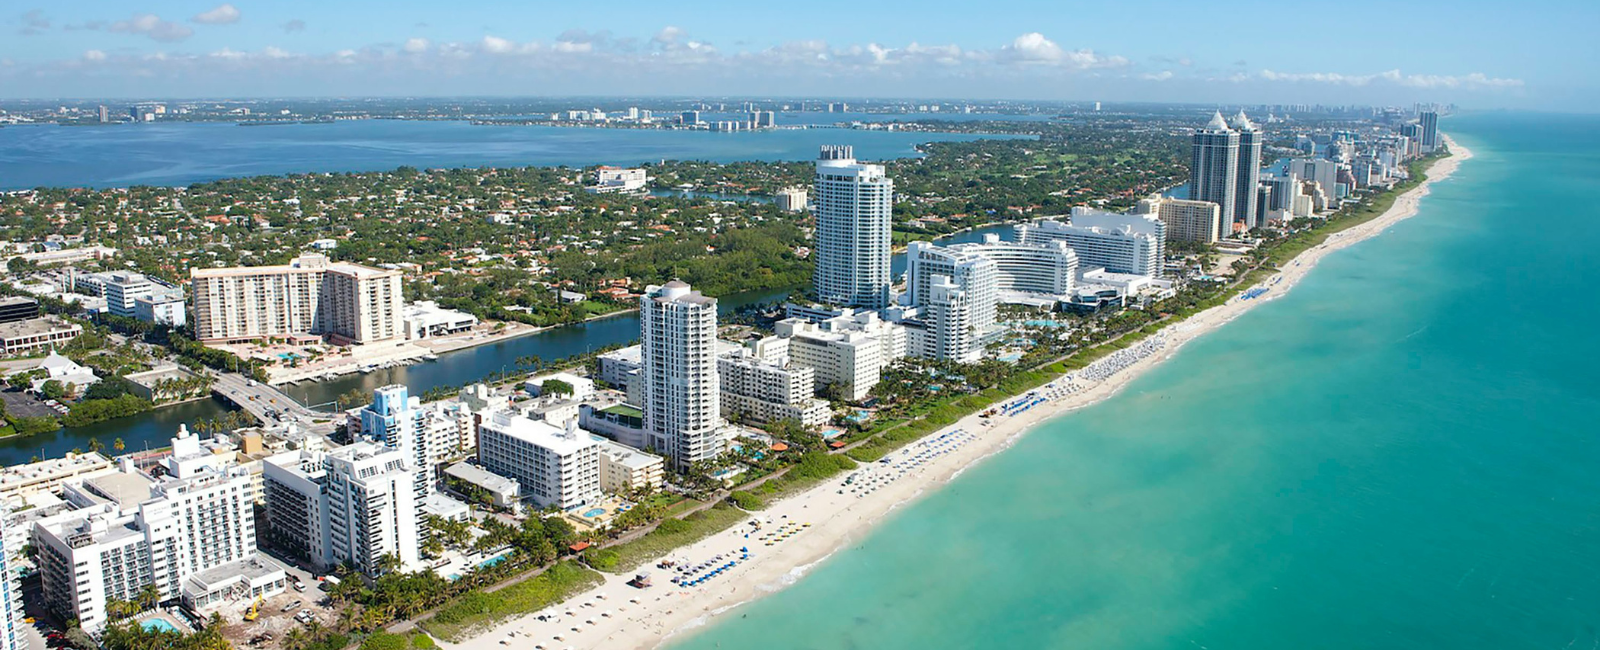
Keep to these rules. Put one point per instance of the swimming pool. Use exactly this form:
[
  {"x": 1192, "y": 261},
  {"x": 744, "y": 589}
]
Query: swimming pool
[
  {"x": 492, "y": 561},
  {"x": 594, "y": 513},
  {"x": 159, "y": 625}
]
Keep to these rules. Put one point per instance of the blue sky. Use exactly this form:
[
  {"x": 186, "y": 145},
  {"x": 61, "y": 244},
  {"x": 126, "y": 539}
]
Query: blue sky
[{"x": 1478, "y": 54}]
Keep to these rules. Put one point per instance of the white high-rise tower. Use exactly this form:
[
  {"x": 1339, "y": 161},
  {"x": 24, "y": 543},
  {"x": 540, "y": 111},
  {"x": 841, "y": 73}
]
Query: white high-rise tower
[
  {"x": 682, "y": 400},
  {"x": 1249, "y": 174},
  {"x": 853, "y": 203},
  {"x": 1214, "y": 169}
]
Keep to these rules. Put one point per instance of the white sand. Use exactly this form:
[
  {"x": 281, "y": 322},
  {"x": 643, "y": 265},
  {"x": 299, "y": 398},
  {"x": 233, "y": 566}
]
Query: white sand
[{"x": 664, "y": 609}]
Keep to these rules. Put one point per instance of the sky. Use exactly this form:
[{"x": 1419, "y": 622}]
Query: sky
[{"x": 1535, "y": 54}]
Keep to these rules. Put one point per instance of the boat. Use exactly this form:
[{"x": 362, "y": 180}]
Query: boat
[{"x": 430, "y": 357}]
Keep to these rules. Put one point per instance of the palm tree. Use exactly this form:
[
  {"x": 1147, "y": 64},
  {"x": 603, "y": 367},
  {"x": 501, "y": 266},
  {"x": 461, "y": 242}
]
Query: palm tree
[
  {"x": 119, "y": 445},
  {"x": 95, "y": 445},
  {"x": 148, "y": 597}
]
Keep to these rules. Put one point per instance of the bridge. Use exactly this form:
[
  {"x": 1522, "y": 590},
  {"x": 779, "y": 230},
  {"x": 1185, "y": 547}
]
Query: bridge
[{"x": 264, "y": 402}]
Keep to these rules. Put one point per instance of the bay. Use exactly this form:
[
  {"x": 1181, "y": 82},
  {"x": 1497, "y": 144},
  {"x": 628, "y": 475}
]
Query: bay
[{"x": 1399, "y": 453}]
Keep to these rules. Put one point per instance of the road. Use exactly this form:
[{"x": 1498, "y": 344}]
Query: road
[{"x": 266, "y": 403}]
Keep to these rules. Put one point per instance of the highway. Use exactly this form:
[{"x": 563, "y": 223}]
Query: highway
[{"x": 266, "y": 403}]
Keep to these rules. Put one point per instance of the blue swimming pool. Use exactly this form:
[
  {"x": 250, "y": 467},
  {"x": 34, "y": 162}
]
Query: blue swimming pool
[
  {"x": 492, "y": 561},
  {"x": 596, "y": 512},
  {"x": 159, "y": 625}
]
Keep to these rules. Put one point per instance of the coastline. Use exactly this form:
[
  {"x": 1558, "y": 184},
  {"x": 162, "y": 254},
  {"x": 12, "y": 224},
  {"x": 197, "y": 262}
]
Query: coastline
[{"x": 617, "y": 615}]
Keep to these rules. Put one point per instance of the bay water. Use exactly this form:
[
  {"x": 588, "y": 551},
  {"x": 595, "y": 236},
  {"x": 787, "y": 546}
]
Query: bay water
[{"x": 1400, "y": 453}]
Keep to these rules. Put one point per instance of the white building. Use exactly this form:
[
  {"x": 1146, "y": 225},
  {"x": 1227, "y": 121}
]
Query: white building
[
  {"x": 552, "y": 467},
  {"x": 42, "y": 333},
  {"x": 132, "y": 529},
  {"x": 678, "y": 376},
  {"x": 122, "y": 288},
  {"x": 975, "y": 275},
  {"x": 1324, "y": 172},
  {"x": 609, "y": 180},
  {"x": 1186, "y": 221},
  {"x": 429, "y": 435},
  {"x": 355, "y": 504},
  {"x": 849, "y": 350},
  {"x": 619, "y": 367},
  {"x": 1123, "y": 243},
  {"x": 792, "y": 199},
  {"x": 582, "y": 387},
  {"x": 1047, "y": 269},
  {"x": 310, "y": 295},
  {"x": 163, "y": 308},
  {"x": 1214, "y": 170},
  {"x": 767, "y": 391},
  {"x": 853, "y": 209},
  {"x": 950, "y": 329},
  {"x": 426, "y": 319},
  {"x": 11, "y": 635}
]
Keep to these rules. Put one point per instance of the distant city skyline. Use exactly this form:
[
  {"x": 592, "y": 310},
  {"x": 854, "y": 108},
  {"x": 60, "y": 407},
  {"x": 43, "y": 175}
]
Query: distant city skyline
[{"x": 1146, "y": 50}]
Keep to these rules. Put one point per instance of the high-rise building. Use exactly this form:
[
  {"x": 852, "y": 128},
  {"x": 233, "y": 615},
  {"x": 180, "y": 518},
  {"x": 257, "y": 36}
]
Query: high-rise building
[
  {"x": 678, "y": 373},
  {"x": 355, "y": 504},
  {"x": 11, "y": 635},
  {"x": 1214, "y": 169},
  {"x": 552, "y": 466},
  {"x": 429, "y": 435},
  {"x": 792, "y": 199},
  {"x": 310, "y": 295},
  {"x": 1119, "y": 243},
  {"x": 1248, "y": 176},
  {"x": 1187, "y": 221},
  {"x": 975, "y": 275},
  {"x": 189, "y": 533},
  {"x": 1430, "y": 130},
  {"x": 951, "y": 330},
  {"x": 1026, "y": 270},
  {"x": 852, "y": 205}
]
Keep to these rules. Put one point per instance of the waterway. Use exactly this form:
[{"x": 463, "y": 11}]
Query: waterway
[{"x": 118, "y": 155}]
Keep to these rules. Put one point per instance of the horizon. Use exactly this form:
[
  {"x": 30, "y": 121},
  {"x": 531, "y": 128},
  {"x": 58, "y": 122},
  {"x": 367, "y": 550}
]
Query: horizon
[{"x": 1022, "y": 50}]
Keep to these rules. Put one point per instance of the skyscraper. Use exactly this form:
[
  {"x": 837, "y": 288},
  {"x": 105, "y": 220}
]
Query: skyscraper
[
  {"x": 1249, "y": 174},
  {"x": 1214, "y": 169},
  {"x": 852, "y": 205},
  {"x": 682, "y": 405},
  {"x": 1430, "y": 130}
]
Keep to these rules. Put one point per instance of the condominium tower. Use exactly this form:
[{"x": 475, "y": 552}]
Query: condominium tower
[
  {"x": 1214, "y": 169},
  {"x": 1430, "y": 130},
  {"x": 1248, "y": 175},
  {"x": 678, "y": 371},
  {"x": 355, "y": 504},
  {"x": 1119, "y": 243},
  {"x": 310, "y": 295},
  {"x": 852, "y": 206}
]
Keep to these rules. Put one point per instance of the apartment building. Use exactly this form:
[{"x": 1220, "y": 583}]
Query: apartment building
[
  {"x": 349, "y": 303},
  {"x": 552, "y": 466}
]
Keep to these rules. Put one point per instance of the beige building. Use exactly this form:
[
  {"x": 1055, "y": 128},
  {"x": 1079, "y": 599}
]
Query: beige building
[
  {"x": 623, "y": 468},
  {"x": 42, "y": 333},
  {"x": 767, "y": 391},
  {"x": 851, "y": 349},
  {"x": 311, "y": 295},
  {"x": 1191, "y": 221}
]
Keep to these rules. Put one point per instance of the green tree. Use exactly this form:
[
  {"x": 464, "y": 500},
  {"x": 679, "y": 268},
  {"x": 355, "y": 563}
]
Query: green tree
[{"x": 53, "y": 389}]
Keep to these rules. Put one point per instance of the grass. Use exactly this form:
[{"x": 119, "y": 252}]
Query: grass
[
  {"x": 813, "y": 468},
  {"x": 673, "y": 533},
  {"x": 475, "y": 611}
]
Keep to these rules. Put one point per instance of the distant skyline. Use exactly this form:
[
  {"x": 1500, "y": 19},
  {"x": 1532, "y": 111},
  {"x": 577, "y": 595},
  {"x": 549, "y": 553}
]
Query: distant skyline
[{"x": 1474, "y": 53}]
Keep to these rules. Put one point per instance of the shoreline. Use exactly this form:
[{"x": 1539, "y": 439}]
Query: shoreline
[{"x": 617, "y": 615}]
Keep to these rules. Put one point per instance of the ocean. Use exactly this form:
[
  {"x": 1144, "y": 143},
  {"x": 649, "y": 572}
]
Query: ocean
[
  {"x": 119, "y": 155},
  {"x": 1400, "y": 453}
]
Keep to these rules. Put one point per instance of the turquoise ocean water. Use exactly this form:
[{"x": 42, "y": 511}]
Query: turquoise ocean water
[{"x": 1401, "y": 453}]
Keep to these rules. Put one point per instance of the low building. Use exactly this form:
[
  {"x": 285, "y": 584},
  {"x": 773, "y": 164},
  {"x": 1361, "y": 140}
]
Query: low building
[
  {"x": 165, "y": 308},
  {"x": 64, "y": 371},
  {"x": 426, "y": 319},
  {"x": 244, "y": 581},
  {"x": 473, "y": 483},
  {"x": 624, "y": 469},
  {"x": 582, "y": 387},
  {"x": 45, "y": 332},
  {"x": 49, "y": 475},
  {"x": 768, "y": 391},
  {"x": 620, "y": 422},
  {"x": 15, "y": 308},
  {"x": 610, "y": 180},
  {"x": 791, "y": 200}
]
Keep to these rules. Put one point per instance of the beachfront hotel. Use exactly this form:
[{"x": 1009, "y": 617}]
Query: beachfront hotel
[
  {"x": 189, "y": 531},
  {"x": 852, "y": 205},
  {"x": 679, "y": 389},
  {"x": 552, "y": 466},
  {"x": 1119, "y": 243},
  {"x": 770, "y": 389},
  {"x": 975, "y": 275},
  {"x": 349, "y": 303},
  {"x": 1214, "y": 168}
]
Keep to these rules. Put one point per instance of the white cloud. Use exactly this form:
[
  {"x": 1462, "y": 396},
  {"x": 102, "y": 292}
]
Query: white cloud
[
  {"x": 271, "y": 52},
  {"x": 153, "y": 26},
  {"x": 228, "y": 54},
  {"x": 223, "y": 14},
  {"x": 415, "y": 46},
  {"x": 94, "y": 56},
  {"x": 1034, "y": 49},
  {"x": 497, "y": 45},
  {"x": 668, "y": 36},
  {"x": 1157, "y": 76}
]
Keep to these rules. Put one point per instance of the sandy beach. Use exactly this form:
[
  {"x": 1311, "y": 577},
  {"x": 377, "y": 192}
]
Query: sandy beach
[{"x": 799, "y": 532}]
